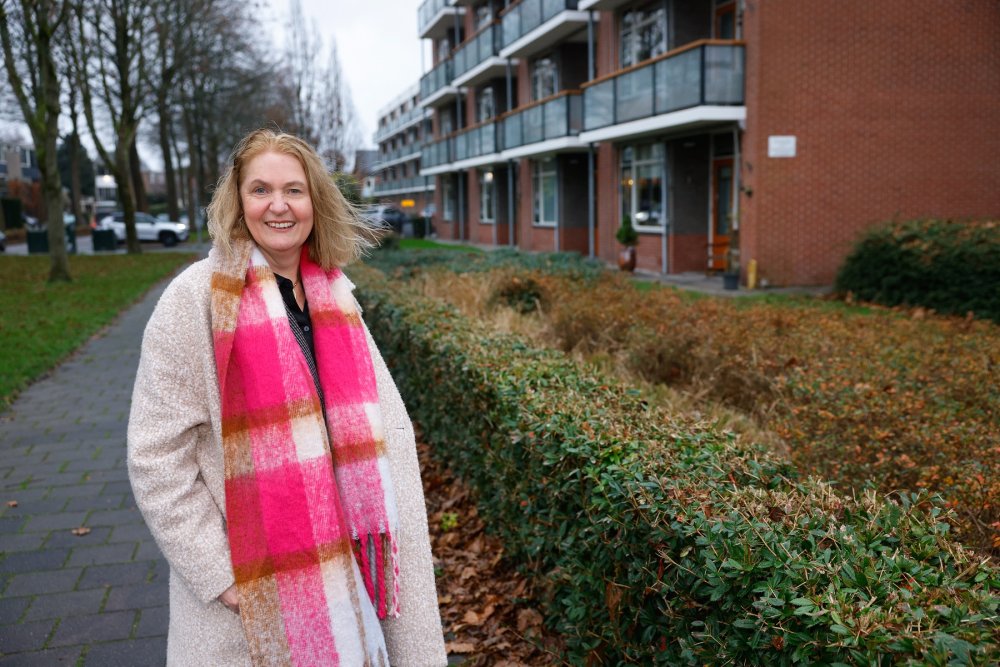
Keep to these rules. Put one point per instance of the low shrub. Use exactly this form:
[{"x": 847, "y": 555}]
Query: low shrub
[
  {"x": 952, "y": 267},
  {"x": 662, "y": 542}
]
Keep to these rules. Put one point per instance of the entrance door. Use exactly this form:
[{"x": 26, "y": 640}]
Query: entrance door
[
  {"x": 722, "y": 209},
  {"x": 725, "y": 20}
]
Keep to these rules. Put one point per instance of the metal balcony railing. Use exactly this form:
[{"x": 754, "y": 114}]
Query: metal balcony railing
[
  {"x": 482, "y": 139},
  {"x": 522, "y": 18},
  {"x": 436, "y": 153},
  {"x": 558, "y": 116},
  {"x": 476, "y": 50},
  {"x": 427, "y": 11},
  {"x": 437, "y": 78},
  {"x": 705, "y": 72}
]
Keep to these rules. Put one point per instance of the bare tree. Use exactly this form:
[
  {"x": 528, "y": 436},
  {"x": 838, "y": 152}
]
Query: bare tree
[
  {"x": 110, "y": 64},
  {"x": 322, "y": 111},
  {"x": 29, "y": 34}
]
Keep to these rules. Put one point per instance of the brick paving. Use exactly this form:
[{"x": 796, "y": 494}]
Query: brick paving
[{"x": 95, "y": 599}]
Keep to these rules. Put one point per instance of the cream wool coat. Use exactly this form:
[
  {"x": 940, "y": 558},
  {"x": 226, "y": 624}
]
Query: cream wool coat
[{"x": 175, "y": 464}]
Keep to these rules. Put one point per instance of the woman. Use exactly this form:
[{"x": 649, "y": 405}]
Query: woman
[{"x": 268, "y": 448}]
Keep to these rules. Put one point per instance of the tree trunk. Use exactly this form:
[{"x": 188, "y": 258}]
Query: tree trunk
[
  {"x": 126, "y": 193},
  {"x": 168, "y": 163},
  {"x": 138, "y": 187},
  {"x": 74, "y": 176}
]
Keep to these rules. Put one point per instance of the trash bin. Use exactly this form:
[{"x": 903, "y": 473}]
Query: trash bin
[
  {"x": 38, "y": 242},
  {"x": 70, "y": 239},
  {"x": 104, "y": 239}
]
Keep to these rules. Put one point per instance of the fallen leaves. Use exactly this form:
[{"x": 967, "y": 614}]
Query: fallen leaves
[
  {"x": 81, "y": 531},
  {"x": 11, "y": 503},
  {"x": 485, "y": 604}
]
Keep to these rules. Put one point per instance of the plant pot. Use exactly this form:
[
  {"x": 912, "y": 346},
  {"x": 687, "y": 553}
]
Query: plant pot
[
  {"x": 626, "y": 259},
  {"x": 730, "y": 281}
]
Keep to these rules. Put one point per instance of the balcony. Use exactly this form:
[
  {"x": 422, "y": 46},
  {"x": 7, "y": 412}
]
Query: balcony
[
  {"x": 531, "y": 26},
  {"x": 401, "y": 122},
  {"x": 438, "y": 153},
  {"x": 698, "y": 84},
  {"x": 477, "y": 59},
  {"x": 478, "y": 145},
  {"x": 545, "y": 126},
  {"x": 435, "y": 17},
  {"x": 436, "y": 86},
  {"x": 401, "y": 154},
  {"x": 404, "y": 185}
]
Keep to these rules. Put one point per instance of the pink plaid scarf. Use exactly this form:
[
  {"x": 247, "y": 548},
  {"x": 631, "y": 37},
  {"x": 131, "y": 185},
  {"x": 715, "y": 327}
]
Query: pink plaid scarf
[{"x": 309, "y": 525}]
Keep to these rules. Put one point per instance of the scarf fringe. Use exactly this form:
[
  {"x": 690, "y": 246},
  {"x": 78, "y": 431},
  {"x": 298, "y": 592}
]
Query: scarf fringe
[{"x": 378, "y": 561}]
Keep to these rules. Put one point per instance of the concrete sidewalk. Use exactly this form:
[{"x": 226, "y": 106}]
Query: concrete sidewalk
[{"x": 94, "y": 599}]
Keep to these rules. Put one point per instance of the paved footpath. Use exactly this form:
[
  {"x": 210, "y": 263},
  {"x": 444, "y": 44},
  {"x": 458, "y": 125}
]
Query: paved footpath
[{"x": 94, "y": 599}]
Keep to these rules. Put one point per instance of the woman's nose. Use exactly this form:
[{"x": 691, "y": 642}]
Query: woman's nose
[{"x": 278, "y": 202}]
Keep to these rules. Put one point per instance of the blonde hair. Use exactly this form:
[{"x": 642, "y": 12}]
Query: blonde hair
[{"x": 339, "y": 234}]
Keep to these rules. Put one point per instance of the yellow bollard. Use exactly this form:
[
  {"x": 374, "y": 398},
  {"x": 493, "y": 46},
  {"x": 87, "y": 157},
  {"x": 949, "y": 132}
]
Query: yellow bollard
[{"x": 752, "y": 274}]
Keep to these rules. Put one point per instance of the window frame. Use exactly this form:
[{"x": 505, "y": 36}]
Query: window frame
[
  {"x": 539, "y": 176},
  {"x": 629, "y": 192},
  {"x": 651, "y": 13},
  {"x": 487, "y": 197}
]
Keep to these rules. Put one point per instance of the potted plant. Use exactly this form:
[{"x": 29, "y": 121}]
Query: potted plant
[{"x": 629, "y": 238}]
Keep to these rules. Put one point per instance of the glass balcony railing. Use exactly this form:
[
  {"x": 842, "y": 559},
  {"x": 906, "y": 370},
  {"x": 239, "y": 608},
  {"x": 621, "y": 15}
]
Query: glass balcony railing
[
  {"x": 411, "y": 184},
  {"x": 697, "y": 75},
  {"x": 477, "y": 50},
  {"x": 403, "y": 151},
  {"x": 476, "y": 141},
  {"x": 401, "y": 121},
  {"x": 436, "y": 153},
  {"x": 437, "y": 78},
  {"x": 560, "y": 116},
  {"x": 428, "y": 11},
  {"x": 527, "y": 15}
]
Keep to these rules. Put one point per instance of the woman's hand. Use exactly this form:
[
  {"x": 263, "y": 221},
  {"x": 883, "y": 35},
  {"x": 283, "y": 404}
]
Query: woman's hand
[{"x": 231, "y": 599}]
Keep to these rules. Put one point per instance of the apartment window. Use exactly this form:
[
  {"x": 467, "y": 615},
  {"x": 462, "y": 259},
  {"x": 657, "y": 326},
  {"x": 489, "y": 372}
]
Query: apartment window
[
  {"x": 484, "y": 15},
  {"x": 486, "y": 104},
  {"x": 643, "y": 33},
  {"x": 447, "y": 125},
  {"x": 544, "y": 78},
  {"x": 642, "y": 178},
  {"x": 444, "y": 49},
  {"x": 448, "y": 197},
  {"x": 546, "y": 198},
  {"x": 27, "y": 158},
  {"x": 487, "y": 197}
]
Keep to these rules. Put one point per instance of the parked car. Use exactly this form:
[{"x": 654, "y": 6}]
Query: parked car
[
  {"x": 387, "y": 215},
  {"x": 147, "y": 228},
  {"x": 3, "y": 241}
]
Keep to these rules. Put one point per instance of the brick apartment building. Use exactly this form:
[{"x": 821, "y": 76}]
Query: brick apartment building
[
  {"x": 778, "y": 127},
  {"x": 403, "y": 127}
]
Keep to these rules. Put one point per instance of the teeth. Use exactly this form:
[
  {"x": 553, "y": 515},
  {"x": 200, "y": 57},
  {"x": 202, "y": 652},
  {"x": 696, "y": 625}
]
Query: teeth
[{"x": 279, "y": 225}]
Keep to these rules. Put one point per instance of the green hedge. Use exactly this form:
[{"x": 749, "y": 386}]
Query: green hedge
[
  {"x": 664, "y": 543},
  {"x": 952, "y": 267}
]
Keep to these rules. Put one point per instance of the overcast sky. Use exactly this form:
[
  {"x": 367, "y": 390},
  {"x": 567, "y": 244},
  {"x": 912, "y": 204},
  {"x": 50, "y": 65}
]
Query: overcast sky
[{"x": 378, "y": 47}]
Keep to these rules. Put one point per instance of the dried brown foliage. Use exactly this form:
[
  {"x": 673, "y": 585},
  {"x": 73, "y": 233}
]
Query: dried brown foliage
[{"x": 485, "y": 604}]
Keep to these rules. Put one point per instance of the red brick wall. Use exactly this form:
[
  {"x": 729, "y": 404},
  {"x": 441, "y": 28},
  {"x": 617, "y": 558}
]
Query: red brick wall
[{"x": 896, "y": 109}]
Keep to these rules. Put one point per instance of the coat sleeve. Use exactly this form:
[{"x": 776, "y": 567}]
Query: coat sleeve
[
  {"x": 415, "y": 637},
  {"x": 169, "y": 418}
]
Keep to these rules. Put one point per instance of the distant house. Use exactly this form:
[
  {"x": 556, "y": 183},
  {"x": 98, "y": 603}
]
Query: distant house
[
  {"x": 364, "y": 171},
  {"x": 18, "y": 162}
]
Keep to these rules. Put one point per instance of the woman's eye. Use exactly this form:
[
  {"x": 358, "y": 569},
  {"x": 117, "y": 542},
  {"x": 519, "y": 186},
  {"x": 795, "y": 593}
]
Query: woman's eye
[
  {"x": 295, "y": 191},
  {"x": 259, "y": 190}
]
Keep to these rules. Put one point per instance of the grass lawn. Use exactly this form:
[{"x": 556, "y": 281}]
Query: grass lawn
[
  {"x": 41, "y": 323},
  {"x": 427, "y": 244}
]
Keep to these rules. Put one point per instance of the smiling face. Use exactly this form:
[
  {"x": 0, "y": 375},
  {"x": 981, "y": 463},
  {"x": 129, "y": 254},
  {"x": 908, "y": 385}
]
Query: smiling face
[{"x": 277, "y": 208}]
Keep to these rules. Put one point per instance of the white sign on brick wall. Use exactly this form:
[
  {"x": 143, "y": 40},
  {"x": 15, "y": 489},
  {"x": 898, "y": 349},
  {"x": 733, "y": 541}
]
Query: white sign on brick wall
[{"x": 781, "y": 145}]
